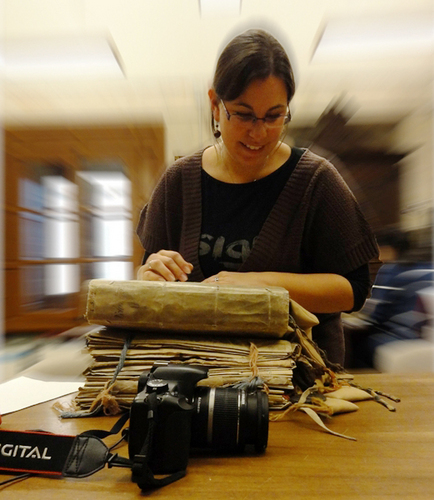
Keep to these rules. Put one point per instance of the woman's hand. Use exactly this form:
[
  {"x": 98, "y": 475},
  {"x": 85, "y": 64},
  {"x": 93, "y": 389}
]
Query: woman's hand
[{"x": 165, "y": 265}]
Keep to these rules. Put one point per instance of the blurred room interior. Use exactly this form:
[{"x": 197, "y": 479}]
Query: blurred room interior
[{"x": 100, "y": 96}]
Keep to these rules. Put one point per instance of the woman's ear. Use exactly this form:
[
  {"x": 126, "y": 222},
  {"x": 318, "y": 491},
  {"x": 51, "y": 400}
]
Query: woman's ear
[{"x": 215, "y": 101}]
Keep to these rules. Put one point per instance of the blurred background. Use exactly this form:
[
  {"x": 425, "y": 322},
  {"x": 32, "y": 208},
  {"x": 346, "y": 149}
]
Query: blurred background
[{"x": 99, "y": 96}]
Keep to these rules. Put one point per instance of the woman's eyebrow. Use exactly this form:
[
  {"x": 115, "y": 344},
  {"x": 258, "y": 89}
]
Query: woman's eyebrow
[{"x": 277, "y": 106}]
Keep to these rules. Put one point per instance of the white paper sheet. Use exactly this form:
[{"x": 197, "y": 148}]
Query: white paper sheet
[{"x": 22, "y": 392}]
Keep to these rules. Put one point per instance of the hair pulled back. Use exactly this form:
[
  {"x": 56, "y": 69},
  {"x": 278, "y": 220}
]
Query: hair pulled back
[{"x": 252, "y": 55}]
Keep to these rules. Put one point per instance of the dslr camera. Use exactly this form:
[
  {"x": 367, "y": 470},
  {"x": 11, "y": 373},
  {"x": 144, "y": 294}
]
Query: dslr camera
[{"x": 170, "y": 414}]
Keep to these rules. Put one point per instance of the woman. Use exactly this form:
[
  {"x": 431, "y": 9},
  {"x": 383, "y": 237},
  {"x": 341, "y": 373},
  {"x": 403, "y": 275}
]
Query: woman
[{"x": 250, "y": 210}]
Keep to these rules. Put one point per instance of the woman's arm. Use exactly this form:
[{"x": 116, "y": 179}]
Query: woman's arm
[{"x": 318, "y": 293}]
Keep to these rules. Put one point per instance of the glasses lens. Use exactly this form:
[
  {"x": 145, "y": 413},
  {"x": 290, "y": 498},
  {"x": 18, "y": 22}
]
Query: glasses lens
[
  {"x": 244, "y": 118},
  {"x": 270, "y": 121}
]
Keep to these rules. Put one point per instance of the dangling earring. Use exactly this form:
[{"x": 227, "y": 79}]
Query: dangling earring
[{"x": 217, "y": 132}]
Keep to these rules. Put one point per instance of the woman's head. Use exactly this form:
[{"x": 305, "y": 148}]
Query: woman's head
[
  {"x": 253, "y": 85},
  {"x": 252, "y": 55}
]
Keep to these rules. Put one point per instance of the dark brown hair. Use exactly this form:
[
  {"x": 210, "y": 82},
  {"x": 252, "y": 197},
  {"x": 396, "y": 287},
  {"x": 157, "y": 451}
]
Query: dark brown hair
[{"x": 252, "y": 55}]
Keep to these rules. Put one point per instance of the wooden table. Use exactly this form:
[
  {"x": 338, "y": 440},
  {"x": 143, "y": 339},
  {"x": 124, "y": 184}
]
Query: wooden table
[{"x": 392, "y": 458}]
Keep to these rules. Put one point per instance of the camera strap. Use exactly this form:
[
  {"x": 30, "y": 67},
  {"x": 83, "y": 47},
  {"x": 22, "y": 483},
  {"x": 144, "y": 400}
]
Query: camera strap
[
  {"x": 40, "y": 452},
  {"x": 44, "y": 453},
  {"x": 142, "y": 474}
]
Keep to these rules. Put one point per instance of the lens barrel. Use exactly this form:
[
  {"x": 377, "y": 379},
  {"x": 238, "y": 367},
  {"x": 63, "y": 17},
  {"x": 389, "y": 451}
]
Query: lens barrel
[{"x": 228, "y": 419}]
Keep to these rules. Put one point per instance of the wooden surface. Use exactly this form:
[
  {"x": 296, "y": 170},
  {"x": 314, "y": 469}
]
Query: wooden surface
[{"x": 392, "y": 458}]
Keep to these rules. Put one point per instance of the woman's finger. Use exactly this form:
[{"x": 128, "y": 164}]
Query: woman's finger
[
  {"x": 167, "y": 264},
  {"x": 173, "y": 260},
  {"x": 145, "y": 274}
]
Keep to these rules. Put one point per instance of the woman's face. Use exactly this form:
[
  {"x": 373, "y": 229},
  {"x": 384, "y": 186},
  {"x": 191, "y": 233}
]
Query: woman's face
[{"x": 250, "y": 144}]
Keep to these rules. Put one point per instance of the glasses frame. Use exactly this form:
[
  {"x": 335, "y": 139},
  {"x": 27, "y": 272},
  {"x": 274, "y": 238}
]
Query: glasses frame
[{"x": 256, "y": 119}]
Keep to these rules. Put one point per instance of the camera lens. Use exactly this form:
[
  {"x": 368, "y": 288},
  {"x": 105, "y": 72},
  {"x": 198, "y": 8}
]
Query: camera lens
[{"x": 229, "y": 419}]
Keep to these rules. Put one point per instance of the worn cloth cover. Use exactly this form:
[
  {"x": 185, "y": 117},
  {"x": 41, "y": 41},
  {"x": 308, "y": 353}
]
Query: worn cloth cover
[{"x": 189, "y": 307}]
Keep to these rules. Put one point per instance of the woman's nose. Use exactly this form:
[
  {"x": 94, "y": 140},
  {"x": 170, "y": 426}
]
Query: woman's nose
[{"x": 258, "y": 130}]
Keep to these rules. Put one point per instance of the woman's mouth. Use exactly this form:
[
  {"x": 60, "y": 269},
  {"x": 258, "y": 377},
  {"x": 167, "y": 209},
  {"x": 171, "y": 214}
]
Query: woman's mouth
[{"x": 252, "y": 148}]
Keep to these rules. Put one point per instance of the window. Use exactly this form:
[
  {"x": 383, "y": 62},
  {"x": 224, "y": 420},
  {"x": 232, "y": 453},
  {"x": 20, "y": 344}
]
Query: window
[
  {"x": 107, "y": 222},
  {"x": 48, "y": 228},
  {"x": 72, "y": 201}
]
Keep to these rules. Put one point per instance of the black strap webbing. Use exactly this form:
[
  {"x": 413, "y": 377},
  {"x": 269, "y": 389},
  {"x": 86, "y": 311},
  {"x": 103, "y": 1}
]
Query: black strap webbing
[
  {"x": 142, "y": 474},
  {"x": 33, "y": 452}
]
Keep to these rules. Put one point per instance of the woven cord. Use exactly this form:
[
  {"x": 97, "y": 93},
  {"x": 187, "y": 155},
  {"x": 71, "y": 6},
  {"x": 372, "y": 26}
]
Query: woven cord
[
  {"x": 254, "y": 382},
  {"x": 105, "y": 400}
]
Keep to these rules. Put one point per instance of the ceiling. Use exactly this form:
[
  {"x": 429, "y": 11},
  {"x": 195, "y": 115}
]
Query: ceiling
[{"x": 168, "y": 52}]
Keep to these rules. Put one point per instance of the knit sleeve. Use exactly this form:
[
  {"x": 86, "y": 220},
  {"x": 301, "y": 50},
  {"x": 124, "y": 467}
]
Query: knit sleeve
[
  {"x": 338, "y": 237},
  {"x": 161, "y": 219}
]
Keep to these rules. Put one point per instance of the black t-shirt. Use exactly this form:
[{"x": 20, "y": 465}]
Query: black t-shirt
[{"x": 233, "y": 215}]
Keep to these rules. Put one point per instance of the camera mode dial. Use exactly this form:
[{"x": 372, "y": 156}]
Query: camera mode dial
[{"x": 157, "y": 385}]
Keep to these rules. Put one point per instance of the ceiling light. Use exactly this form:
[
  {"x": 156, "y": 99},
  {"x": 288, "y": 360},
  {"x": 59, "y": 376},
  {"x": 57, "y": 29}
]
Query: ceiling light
[
  {"x": 374, "y": 38},
  {"x": 60, "y": 57}
]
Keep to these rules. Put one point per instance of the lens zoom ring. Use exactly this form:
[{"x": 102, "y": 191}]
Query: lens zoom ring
[{"x": 226, "y": 419}]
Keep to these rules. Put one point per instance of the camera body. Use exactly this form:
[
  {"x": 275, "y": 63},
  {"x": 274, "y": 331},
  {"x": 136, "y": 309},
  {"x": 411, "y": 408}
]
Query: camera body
[
  {"x": 171, "y": 415},
  {"x": 174, "y": 385}
]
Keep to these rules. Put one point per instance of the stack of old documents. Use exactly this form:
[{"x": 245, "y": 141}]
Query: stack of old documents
[
  {"x": 229, "y": 361},
  {"x": 237, "y": 332}
]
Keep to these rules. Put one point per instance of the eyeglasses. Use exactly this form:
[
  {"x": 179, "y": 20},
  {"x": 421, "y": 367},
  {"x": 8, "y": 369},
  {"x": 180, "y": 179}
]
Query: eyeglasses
[{"x": 271, "y": 120}]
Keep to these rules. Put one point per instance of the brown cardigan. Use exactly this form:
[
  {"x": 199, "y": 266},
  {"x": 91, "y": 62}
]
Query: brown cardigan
[{"x": 315, "y": 226}]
